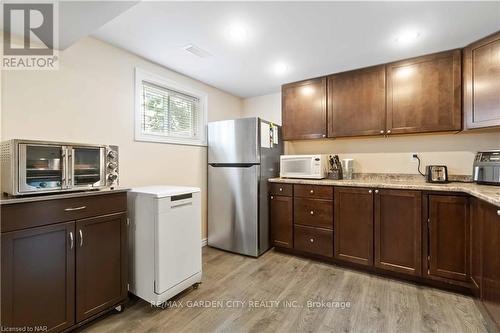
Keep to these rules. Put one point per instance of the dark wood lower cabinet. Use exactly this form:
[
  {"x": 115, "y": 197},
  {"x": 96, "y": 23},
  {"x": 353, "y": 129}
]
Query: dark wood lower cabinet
[
  {"x": 281, "y": 210},
  {"x": 398, "y": 231},
  {"x": 353, "y": 225},
  {"x": 448, "y": 240},
  {"x": 490, "y": 282},
  {"x": 476, "y": 229},
  {"x": 313, "y": 240},
  {"x": 101, "y": 263},
  {"x": 55, "y": 274},
  {"x": 448, "y": 236},
  {"x": 38, "y": 278}
]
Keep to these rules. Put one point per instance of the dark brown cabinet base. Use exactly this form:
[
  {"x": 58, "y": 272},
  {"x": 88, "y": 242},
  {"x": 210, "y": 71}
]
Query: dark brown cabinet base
[
  {"x": 448, "y": 237},
  {"x": 100, "y": 252},
  {"x": 398, "y": 231},
  {"x": 55, "y": 275},
  {"x": 38, "y": 285},
  {"x": 442, "y": 239}
]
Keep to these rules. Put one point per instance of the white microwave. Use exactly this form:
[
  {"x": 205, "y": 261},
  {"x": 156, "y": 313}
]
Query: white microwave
[{"x": 303, "y": 166}]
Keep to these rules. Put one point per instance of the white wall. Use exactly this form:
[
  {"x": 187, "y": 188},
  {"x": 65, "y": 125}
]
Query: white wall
[
  {"x": 90, "y": 99},
  {"x": 267, "y": 107},
  {"x": 386, "y": 155}
]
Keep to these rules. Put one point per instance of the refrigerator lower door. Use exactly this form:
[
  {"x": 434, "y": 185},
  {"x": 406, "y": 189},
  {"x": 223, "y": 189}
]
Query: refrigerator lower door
[{"x": 233, "y": 208}]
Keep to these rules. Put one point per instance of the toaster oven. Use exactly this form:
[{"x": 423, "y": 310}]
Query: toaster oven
[
  {"x": 303, "y": 166},
  {"x": 32, "y": 167}
]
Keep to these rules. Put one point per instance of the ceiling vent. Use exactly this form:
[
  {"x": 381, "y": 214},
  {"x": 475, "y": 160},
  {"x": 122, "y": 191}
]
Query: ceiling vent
[{"x": 197, "y": 51}]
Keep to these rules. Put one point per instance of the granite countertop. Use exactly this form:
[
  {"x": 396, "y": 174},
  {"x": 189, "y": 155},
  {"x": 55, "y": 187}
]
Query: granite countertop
[
  {"x": 488, "y": 193},
  {"x": 5, "y": 200}
]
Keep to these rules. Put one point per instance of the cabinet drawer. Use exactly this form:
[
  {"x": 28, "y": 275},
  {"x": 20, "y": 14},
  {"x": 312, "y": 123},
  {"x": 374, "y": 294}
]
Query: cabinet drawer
[
  {"x": 313, "y": 212},
  {"x": 313, "y": 240},
  {"x": 37, "y": 213},
  {"x": 313, "y": 191},
  {"x": 281, "y": 189}
]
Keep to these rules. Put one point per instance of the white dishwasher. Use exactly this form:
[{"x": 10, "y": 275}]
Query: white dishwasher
[{"x": 164, "y": 241}]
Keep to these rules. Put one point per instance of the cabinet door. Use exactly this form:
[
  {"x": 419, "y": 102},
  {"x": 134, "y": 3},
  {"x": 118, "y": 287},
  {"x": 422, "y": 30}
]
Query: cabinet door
[
  {"x": 424, "y": 94},
  {"x": 353, "y": 225},
  {"x": 101, "y": 263},
  {"x": 38, "y": 277},
  {"x": 356, "y": 102},
  {"x": 449, "y": 237},
  {"x": 398, "y": 231},
  {"x": 490, "y": 287},
  {"x": 476, "y": 226},
  {"x": 281, "y": 221},
  {"x": 482, "y": 83},
  {"x": 304, "y": 109}
]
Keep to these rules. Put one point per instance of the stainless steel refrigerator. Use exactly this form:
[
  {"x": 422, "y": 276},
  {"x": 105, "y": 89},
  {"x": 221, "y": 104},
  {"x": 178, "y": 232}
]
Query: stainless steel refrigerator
[{"x": 241, "y": 158}]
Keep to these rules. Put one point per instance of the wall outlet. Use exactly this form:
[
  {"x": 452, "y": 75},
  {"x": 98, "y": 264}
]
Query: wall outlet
[{"x": 414, "y": 156}]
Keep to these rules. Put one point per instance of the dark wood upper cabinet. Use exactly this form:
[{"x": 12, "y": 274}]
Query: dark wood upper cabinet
[
  {"x": 353, "y": 225},
  {"x": 356, "y": 102},
  {"x": 281, "y": 210},
  {"x": 398, "y": 231},
  {"x": 38, "y": 277},
  {"x": 490, "y": 287},
  {"x": 424, "y": 94},
  {"x": 101, "y": 263},
  {"x": 304, "y": 109},
  {"x": 448, "y": 232},
  {"x": 482, "y": 83}
]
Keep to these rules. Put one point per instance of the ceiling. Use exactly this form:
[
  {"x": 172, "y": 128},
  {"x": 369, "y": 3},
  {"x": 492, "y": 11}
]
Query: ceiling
[
  {"x": 76, "y": 19},
  {"x": 308, "y": 38}
]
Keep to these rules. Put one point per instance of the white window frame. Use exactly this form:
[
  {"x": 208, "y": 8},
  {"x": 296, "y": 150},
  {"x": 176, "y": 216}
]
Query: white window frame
[{"x": 142, "y": 75}]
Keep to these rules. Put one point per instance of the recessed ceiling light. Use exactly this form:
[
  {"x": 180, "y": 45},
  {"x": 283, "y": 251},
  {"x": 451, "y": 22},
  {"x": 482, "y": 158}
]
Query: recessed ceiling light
[
  {"x": 280, "y": 68},
  {"x": 237, "y": 32},
  {"x": 407, "y": 37}
]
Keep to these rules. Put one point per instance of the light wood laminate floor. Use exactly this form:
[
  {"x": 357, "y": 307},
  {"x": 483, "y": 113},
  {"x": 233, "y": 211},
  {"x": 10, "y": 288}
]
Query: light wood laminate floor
[{"x": 376, "y": 304}]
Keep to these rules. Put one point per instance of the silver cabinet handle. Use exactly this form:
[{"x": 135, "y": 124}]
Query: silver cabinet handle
[
  {"x": 382, "y": 131},
  {"x": 81, "y": 237},
  {"x": 312, "y": 212},
  {"x": 281, "y": 189},
  {"x": 312, "y": 240},
  {"x": 370, "y": 191},
  {"x": 311, "y": 191},
  {"x": 74, "y": 208},
  {"x": 71, "y": 240},
  {"x": 376, "y": 191},
  {"x": 498, "y": 212},
  {"x": 272, "y": 197},
  {"x": 388, "y": 131}
]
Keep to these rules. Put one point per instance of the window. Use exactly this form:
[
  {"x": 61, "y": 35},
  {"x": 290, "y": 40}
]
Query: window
[{"x": 168, "y": 112}]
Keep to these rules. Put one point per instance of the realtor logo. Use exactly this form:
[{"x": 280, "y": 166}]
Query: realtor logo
[{"x": 28, "y": 36}]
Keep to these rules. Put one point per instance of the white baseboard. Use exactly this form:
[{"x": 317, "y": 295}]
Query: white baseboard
[{"x": 203, "y": 242}]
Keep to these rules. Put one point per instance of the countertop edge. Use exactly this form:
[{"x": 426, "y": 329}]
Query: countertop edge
[
  {"x": 42, "y": 197},
  {"x": 449, "y": 187}
]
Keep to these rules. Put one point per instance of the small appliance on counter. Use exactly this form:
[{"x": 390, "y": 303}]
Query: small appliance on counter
[
  {"x": 164, "y": 241},
  {"x": 347, "y": 168},
  {"x": 486, "y": 168},
  {"x": 436, "y": 174},
  {"x": 303, "y": 166},
  {"x": 33, "y": 167}
]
